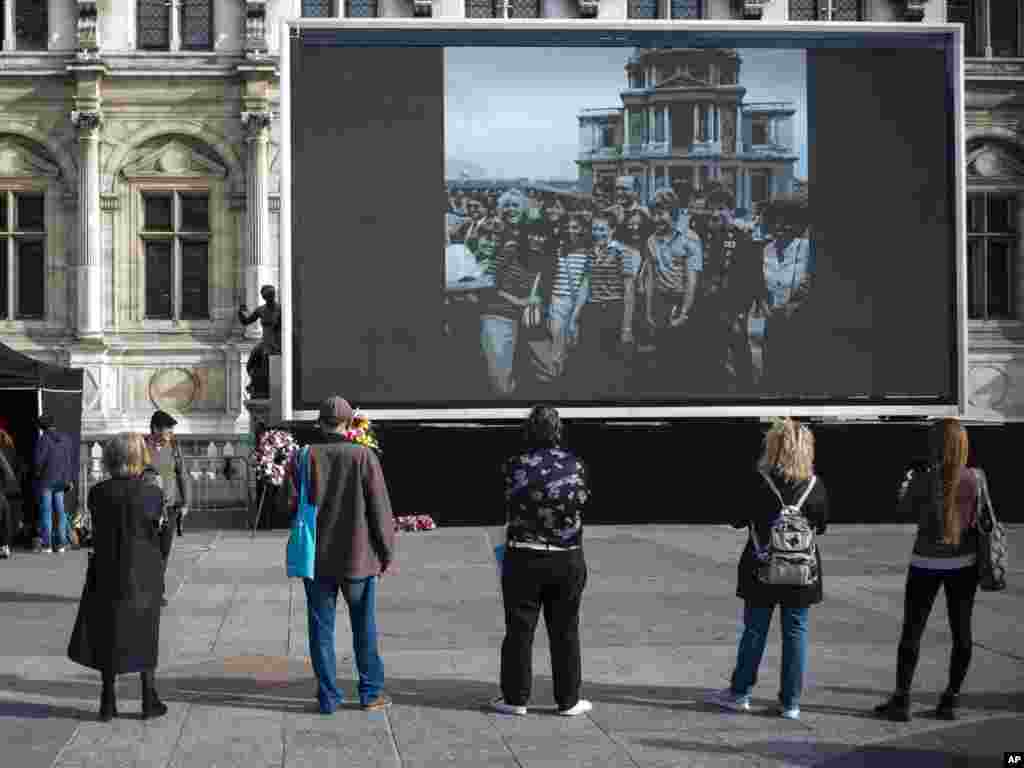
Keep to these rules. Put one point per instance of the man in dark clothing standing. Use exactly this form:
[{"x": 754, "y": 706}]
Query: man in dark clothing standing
[
  {"x": 355, "y": 544},
  {"x": 53, "y": 473}
]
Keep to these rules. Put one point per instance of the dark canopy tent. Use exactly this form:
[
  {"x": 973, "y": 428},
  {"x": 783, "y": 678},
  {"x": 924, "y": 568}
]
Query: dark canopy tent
[{"x": 27, "y": 388}]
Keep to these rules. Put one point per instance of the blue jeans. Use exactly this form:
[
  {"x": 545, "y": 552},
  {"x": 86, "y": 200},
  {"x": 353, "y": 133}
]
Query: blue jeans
[
  {"x": 51, "y": 499},
  {"x": 321, "y": 607},
  {"x": 756, "y": 622}
]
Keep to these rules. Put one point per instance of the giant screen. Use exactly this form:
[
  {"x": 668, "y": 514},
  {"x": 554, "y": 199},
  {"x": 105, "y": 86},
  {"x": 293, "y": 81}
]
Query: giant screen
[{"x": 482, "y": 218}]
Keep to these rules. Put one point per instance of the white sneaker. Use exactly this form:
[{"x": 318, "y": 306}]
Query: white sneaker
[
  {"x": 61, "y": 549},
  {"x": 790, "y": 713},
  {"x": 5, "y": 552},
  {"x": 728, "y": 700},
  {"x": 581, "y": 707},
  {"x": 499, "y": 705}
]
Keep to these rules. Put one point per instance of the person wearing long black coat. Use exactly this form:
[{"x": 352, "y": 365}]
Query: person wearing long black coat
[{"x": 118, "y": 625}]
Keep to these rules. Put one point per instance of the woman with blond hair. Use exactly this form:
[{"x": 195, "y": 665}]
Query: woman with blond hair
[
  {"x": 787, "y": 479},
  {"x": 945, "y": 500},
  {"x": 118, "y": 625}
]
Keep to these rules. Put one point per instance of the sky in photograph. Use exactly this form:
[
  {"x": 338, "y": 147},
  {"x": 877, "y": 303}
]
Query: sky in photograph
[{"x": 513, "y": 112}]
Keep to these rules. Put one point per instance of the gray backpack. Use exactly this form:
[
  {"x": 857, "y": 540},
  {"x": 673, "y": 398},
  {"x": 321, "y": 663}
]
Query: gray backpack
[{"x": 790, "y": 556}]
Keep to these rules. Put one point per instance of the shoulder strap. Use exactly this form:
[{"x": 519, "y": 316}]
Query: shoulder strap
[
  {"x": 806, "y": 493},
  {"x": 771, "y": 484},
  {"x": 304, "y": 474}
]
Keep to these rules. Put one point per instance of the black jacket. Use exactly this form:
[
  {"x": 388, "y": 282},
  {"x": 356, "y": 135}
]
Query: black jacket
[{"x": 763, "y": 508}]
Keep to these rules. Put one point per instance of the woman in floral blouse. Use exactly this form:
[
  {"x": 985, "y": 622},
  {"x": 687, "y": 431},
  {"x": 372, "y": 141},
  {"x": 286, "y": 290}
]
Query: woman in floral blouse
[{"x": 545, "y": 493}]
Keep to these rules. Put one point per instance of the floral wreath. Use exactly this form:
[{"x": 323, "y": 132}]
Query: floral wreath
[{"x": 271, "y": 454}]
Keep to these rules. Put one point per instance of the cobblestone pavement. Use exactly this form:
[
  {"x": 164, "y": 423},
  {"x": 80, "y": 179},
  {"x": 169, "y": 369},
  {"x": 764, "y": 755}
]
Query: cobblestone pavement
[{"x": 659, "y": 626}]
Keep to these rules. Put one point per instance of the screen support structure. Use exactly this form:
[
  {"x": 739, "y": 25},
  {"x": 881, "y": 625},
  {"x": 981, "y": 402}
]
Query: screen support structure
[{"x": 291, "y": 29}]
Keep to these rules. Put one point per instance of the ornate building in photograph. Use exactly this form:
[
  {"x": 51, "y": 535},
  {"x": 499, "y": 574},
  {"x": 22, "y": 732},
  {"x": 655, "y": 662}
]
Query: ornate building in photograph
[
  {"x": 684, "y": 117},
  {"x": 139, "y": 180}
]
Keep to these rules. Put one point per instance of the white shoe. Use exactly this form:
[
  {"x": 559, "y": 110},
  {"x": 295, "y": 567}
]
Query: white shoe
[
  {"x": 61, "y": 549},
  {"x": 791, "y": 713},
  {"x": 5, "y": 552},
  {"x": 728, "y": 700},
  {"x": 499, "y": 705},
  {"x": 581, "y": 707}
]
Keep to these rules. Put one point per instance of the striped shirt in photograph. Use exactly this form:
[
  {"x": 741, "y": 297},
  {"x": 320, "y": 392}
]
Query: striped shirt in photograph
[
  {"x": 608, "y": 268},
  {"x": 674, "y": 257},
  {"x": 569, "y": 274}
]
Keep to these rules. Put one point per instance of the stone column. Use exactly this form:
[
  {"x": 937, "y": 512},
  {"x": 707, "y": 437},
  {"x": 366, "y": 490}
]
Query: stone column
[
  {"x": 89, "y": 304},
  {"x": 668, "y": 128},
  {"x": 625, "y": 130},
  {"x": 258, "y": 270},
  {"x": 697, "y": 132},
  {"x": 739, "y": 128}
]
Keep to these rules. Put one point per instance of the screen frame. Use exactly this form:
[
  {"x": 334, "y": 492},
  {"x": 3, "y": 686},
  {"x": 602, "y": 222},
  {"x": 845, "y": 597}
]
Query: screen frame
[{"x": 291, "y": 28}]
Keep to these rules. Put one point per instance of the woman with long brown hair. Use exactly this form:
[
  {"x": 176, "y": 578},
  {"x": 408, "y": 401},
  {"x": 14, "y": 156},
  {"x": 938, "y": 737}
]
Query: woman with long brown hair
[{"x": 945, "y": 500}]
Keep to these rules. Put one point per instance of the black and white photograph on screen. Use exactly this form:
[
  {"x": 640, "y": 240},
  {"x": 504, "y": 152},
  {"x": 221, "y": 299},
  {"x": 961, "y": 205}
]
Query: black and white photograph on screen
[{"x": 625, "y": 222}]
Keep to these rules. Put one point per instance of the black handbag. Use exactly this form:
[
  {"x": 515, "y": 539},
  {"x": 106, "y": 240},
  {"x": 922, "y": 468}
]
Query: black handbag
[
  {"x": 993, "y": 555},
  {"x": 82, "y": 648}
]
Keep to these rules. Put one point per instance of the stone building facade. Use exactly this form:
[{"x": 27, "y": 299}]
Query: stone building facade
[{"x": 139, "y": 186}]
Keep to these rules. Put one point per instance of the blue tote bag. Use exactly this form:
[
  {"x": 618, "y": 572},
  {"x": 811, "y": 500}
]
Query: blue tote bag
[{"x": 301, "y": 553}]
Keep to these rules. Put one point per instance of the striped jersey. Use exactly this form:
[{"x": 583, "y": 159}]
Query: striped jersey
[
  {"x": 674, "y": 258},
  {"x": 569, "y": 273},
  {"x": 608, "y": 268}
]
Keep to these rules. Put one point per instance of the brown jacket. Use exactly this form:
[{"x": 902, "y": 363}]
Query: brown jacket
[{"x": 355, "y": 527}]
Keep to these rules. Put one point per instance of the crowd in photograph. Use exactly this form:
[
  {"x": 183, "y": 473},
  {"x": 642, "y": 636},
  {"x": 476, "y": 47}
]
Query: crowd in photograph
[{"x": 556, "y": 293}]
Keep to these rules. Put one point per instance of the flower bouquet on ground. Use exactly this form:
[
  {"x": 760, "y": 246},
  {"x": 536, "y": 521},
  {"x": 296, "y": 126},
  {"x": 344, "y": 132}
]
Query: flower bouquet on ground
[{"x": 410, "y": 523}]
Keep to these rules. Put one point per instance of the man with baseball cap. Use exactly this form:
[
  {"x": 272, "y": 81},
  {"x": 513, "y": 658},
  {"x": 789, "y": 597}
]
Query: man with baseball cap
[
  {"x": 355, "y": 543},
  {"x": 167, "y": 461}
]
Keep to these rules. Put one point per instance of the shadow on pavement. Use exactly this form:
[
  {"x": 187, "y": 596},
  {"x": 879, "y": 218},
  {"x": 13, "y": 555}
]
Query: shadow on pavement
[{"x": 26, "y": 597}]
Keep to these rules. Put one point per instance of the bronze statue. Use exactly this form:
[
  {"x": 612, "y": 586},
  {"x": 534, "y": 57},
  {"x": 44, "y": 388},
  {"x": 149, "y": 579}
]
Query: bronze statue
[{"x": 258, "y": 366}]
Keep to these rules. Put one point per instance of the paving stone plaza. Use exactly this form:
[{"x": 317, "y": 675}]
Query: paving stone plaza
[{"x": 660, "y": 624}]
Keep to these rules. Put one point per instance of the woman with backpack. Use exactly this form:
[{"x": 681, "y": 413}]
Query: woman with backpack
[
  {"x": 780, "y": 564},
  {"x": 945, "y": 500}
]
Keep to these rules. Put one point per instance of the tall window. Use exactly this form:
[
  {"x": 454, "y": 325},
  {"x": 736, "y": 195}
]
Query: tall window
[
  {"x": 825, "y": 10},
  {"x": 169, "y": 25},
  {"x": 758, "y": 187},
  {"x": 24, "y": 25},
  {"x": 23, "y": 255},
  {"x": 1003, "y": 18},
  {"x": 991, "y": 254},
  {"x": 176, "y": 239},
  {"x": 319, "y": 9}
]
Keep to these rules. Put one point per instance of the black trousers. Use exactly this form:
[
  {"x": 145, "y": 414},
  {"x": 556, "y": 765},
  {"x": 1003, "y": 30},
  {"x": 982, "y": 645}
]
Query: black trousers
[
  {"x": 167, "y": 535},
  {"x": 532, "y": 581},
  {"x": 961, "y": 587},
  {"x": 6, "y": 522}
]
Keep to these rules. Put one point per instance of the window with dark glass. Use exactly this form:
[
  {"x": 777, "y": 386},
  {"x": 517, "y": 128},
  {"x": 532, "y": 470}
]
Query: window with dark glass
[
  {"x": 159, "y": 280},
  {"x": 825, "y": 10},
  {"x": 359, "y": 9},
  {"x": 31, "y": 279},
  {"x": 31, "y": 24},
  {"x": 758, "y": 133},
  {"x": 196, "y": 24},
  {"x": 686, "y": 9},
  {"x": 22, "y": 255},
  {"x": 1004, "y": 20},
  {"x": 176, "y": 234},
  {"x": 966, "y": 12},
  {"x": 317, "y": 8},
  {"x": 643, "y": 9},
  {"x": 991, "y": 255},
  {"x": 153, "y": 25}
]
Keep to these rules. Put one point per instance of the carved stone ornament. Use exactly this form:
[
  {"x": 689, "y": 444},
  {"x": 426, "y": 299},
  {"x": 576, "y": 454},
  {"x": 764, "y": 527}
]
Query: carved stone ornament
[
  {"x": 16, "y": 160},
  {"x": 256, "y": 122},
  {"x": 86, "y": 120},
  {"x": 589, "y": 8},
  {"x": 174, "y": 158},
  {"x": 990, "y": 161}
]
